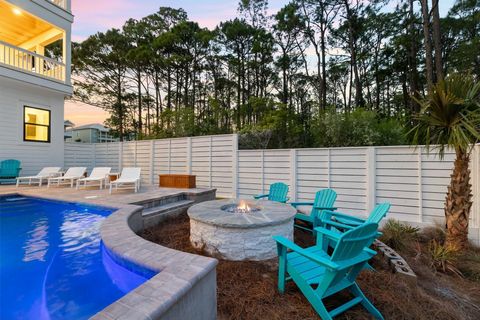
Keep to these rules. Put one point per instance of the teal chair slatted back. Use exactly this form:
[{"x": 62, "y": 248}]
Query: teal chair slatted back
[
  {"x": 278, "y": 192},
  {"x": 349, "y": 247},
  {"x": 9, "y": 168},
  {"x": 331, "y": 274},
  {"x": 324, "y": 199},
  {"x": 378, "y": 213},
  {"x": 352, "y": 242}
]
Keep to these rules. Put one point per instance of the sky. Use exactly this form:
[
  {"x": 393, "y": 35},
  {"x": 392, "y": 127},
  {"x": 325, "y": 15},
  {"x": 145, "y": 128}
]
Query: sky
[{"x": 92, "y": 16}]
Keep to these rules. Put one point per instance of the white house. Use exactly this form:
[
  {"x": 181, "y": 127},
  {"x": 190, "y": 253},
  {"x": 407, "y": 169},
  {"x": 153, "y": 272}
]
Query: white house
[
  {"x": 33, "y": 86},
  {"x": 89, "y": 133}
]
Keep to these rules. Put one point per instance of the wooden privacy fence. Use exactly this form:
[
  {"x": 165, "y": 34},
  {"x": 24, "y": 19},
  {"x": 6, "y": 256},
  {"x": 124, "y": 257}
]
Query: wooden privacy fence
[{"x": 413, "y": 181}]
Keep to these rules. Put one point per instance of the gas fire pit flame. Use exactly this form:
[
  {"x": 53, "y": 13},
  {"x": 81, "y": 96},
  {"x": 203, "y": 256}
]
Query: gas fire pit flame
[{"x": 243, "y": 207}]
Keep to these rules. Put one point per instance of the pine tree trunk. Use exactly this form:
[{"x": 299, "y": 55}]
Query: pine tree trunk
[
  {"x": 428, "y": 44},
  {"x": 413, "y": 78},
  {"x": 437, "y": 41},
  {"x": 458, "y": 203}
]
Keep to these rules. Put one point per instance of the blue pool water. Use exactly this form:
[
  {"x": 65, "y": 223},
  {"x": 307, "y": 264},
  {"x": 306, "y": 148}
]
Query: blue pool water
[{"x": 52, "y": 262}]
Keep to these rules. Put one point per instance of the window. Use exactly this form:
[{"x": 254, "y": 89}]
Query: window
[{"x": 36, "y": 125}]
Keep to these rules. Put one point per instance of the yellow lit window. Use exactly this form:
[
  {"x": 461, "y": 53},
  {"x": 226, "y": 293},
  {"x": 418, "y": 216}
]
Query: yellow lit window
[{"x": 36, "y": 124}]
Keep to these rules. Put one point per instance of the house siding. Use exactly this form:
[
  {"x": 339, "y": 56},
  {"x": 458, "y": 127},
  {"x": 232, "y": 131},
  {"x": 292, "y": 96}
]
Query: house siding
[{"x": 14, "y": 95}]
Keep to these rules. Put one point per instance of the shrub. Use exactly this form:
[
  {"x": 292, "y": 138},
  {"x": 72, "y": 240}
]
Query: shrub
[
  {"x": 443, "y": 259},
  {"x": 358, "y": 128},
  {"x": 399, "y": 236}
]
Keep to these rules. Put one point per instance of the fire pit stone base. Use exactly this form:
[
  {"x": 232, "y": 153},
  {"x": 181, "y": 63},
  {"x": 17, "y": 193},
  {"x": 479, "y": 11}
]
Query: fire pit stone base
[
  {"x": 238, "y": 244},
  {"x": 240, "y": 236}
]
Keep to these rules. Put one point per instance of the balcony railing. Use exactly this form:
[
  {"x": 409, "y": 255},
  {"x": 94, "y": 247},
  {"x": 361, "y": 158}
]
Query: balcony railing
[
  {"x": 61, "y": 3},
  {"x": 31, "y": 62}
]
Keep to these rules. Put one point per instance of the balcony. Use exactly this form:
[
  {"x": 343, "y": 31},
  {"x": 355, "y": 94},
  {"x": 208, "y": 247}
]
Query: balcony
[
  {"x": 31, "y": 62},
  {"x": 27, "y": 35},
  {"x": 64, "y": 4}
]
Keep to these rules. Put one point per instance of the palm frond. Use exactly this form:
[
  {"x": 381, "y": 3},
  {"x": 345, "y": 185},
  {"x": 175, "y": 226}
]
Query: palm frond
[{"x": 449, "y": 115}]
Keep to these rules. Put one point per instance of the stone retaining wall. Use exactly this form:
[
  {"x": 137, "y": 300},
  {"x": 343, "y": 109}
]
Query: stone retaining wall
[{"x": 184, "y": 286}]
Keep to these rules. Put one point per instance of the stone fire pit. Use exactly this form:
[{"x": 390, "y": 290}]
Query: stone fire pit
[{"x": 240, "y": 229}]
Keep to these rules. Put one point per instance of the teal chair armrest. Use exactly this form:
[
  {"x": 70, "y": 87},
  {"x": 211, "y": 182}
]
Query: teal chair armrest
[
  {"x": 337, "y": 224},
  {"x": 349, "y": 222},
  {"x": 325, "y": 208},
  {"x": 260, "y": 196},
  {"x": 314, "y": 257},
  {"x": 344, "y": 217},
  {"x": 295, "y": 204},
  {"x": 328, "y": 233}
]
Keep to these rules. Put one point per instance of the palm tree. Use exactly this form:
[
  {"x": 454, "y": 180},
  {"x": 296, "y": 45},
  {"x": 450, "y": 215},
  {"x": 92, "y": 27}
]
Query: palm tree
[{"x": 450, "y": 118}]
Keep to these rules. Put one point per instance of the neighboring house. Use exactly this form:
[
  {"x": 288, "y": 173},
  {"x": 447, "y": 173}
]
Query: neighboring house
[
  {"x": 90, "y": 133},
  {"x": 67, "y": 132},
  {"x": 32, "y": 86}
]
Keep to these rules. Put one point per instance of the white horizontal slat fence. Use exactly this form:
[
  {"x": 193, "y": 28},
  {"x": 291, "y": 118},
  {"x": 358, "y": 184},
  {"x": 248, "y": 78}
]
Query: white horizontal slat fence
[
  {"x": 414, "y": 182},
  {"x": 210, "y": 158}
]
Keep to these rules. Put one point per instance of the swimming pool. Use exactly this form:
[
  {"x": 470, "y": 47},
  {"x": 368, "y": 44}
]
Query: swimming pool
[{"x": 52, "y": 262}]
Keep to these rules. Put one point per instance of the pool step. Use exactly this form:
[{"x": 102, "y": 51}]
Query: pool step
[{"x": 154, "y": 215}]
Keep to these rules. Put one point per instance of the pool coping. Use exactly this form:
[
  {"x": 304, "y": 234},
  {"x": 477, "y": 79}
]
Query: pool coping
[
  {"x": 178, "y": 272},
  {"x": 184, "y": 286}
]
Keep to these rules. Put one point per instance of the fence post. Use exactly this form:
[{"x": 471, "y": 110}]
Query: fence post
[
  {"x": 262, "y": 166},
  {"x": 189, "y": 155},
  {"x": 169, "y": 154},
  {"x": 135, "y": 153},
  {"x": 152, "y": 161},
  {"x": 94, "y": 155},
  {"x": 293, "y": 174},
  {"x": 120, "y": 156},
  {"x": 420, "y": 184},
  {"x": 371, "y": 183},
  {"x": 329, "y": 160},
  {"x": 74, "y": 156},
  {"x": 210, "y": 163},
  {"x": 235, "y": 166}
]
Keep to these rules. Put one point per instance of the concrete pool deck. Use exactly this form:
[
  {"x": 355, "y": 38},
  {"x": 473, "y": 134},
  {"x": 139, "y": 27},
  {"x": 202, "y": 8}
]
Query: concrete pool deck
[{"x": 185, "y": 284}]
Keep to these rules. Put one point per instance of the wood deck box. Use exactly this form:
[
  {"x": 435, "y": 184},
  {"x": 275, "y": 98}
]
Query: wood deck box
[{"x": 177, "y": 181}]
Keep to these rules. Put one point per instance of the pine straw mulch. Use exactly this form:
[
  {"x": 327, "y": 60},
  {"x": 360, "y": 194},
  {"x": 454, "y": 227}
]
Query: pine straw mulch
[{"x": 247, "y": 290}]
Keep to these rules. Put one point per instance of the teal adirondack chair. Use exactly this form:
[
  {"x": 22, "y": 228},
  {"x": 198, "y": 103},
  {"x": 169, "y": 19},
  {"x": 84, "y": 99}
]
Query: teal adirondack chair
[
  {"x": 278, "y": 192},
  {"x": 343, "y": 222},
  {"x": 324, "y": 200},
  {"x": 331, "y": 273},
  {"x": 9, "y": 170},
  {"x": 339, "y": 223}
]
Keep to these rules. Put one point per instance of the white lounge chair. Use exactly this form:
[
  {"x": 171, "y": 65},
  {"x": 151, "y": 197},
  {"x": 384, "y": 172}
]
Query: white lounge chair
[
  {"x": 129, "y": 179},
  {"x": 98, "y": 175},
  {"x": 72, "y": 175},
  {"x": 44, "y": 174}
]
